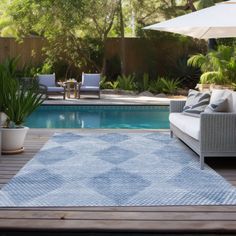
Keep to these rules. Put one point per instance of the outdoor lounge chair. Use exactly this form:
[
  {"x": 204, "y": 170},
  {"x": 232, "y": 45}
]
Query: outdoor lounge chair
[
  {"x": 90, "y": 84},
  {"x": 48, "y": 85}
]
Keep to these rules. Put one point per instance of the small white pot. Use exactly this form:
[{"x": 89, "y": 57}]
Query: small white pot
[{"x": 13, "y": 139}]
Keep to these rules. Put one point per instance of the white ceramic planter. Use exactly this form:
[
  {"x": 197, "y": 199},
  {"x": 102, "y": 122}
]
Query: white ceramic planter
[
  {"x": 203, "y": 87},
  {"x": 210, "y": 87},
  {"x": 13, "y": 139},
  {"x": 215, "y": 86}
]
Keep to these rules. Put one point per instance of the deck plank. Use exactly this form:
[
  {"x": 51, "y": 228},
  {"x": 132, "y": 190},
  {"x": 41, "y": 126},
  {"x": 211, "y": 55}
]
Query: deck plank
[
  {"x": 110, "y": 215},
  {"x": 118, "y": 225},
  {"x": 145, "y": 219}
]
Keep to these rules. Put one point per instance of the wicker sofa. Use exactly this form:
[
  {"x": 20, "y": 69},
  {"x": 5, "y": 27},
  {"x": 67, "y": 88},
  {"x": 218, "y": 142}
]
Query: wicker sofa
[{"x": 210, "y": 135}]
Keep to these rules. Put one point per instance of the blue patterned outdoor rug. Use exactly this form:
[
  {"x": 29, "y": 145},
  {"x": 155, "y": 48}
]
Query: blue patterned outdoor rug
[{"x": 116, "y": 169}]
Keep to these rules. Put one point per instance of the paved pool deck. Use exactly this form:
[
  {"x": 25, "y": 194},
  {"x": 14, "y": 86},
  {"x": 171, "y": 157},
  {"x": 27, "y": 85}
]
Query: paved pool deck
[{"x": 114, "y": 99}]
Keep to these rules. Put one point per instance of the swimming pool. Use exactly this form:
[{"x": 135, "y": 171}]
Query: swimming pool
[{"x": 100, "y": 116}]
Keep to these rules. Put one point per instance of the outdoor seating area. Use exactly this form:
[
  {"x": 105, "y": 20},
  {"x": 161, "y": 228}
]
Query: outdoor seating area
[{"x": 90, "y": 85}]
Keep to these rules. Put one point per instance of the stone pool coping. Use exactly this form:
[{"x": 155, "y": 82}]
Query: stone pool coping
[{"x": 114, "y": 99}]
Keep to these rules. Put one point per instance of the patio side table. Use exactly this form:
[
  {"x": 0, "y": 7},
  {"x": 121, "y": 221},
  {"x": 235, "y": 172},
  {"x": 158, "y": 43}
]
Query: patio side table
[{"x": 71, "y": 86}]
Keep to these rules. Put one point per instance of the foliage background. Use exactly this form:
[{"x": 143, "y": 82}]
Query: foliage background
[{"x": 94, "y": 35}]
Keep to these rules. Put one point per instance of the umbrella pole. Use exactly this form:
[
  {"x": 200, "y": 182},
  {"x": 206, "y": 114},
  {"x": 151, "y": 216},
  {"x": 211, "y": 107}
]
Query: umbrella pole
[{"x": 212, "y": 44}]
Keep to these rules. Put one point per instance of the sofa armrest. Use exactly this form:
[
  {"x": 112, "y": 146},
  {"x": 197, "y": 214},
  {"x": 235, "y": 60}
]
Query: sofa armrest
[
  {"x": 177, "y": 105},
  {"x": 218, "y": 132}
]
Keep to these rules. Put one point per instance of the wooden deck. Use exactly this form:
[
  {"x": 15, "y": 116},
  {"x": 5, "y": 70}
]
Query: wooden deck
[{"x": 189, "y": 219}]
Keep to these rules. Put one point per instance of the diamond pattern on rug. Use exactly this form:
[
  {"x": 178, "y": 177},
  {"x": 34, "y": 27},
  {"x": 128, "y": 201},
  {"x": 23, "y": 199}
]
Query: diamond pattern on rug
[
  {"x": 55, "y": 155},
  {"x": 135, "y": 169},
  {"x": 159, "y": 137},
  {"x": 200, "y": 182},
  {"x": 114, "y": 137},
  {"x": 118, "y": 185},
  {"x": 175, "y": 154},
  {"x": 66, "y": 137},
  {"x": 115, "y": 155},
  {"x": 33, "y": 184}
]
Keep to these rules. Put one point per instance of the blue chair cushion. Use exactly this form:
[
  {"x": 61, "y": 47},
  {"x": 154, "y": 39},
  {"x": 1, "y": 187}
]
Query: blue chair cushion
[
  {"x": 47, "y": 80},
  {"x": 55, "y": 89},
  {"x": 89, "y": 88},
  {"x": 91, "y": 80}
]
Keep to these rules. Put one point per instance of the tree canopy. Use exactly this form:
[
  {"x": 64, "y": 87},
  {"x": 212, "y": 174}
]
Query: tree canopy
[{"x": 76, "y": 30}]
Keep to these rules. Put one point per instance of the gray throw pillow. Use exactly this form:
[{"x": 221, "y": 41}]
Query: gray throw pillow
[
  {"x": 196, "y": 103},
  {"x": 220, "y": 105}
]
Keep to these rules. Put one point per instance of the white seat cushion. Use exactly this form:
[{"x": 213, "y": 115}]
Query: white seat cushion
[
  {"x": 188, "y": 124},
  {"x": 55, "y": 89}
]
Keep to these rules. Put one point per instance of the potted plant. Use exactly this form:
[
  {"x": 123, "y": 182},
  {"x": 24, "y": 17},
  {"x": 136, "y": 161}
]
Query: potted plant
[
  {"x": 17, "y": 103},
  {"x": 218, "y": 67}
]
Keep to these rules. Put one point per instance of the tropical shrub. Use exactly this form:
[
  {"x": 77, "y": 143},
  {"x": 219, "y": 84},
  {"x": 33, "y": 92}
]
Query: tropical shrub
[
  {"x": 234, "y": 85},
  {"x": 108, "y": 84},
  {"x": 188, "y": 75},
  {"x": 169, "y": 86},
  {"x": 217, "y": 66},
  {"x": 155, "y": 86},
  {"x": 165, "y": 85},
  {"x": 143, "y": 84},
  {"x": 113, "y": 84},
  {"x": 126, "y": 82},
  {"x": 103, "y": 82}
]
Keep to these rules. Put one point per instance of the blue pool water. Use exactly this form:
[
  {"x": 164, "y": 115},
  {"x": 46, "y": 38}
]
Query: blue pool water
[{"x": 118, "y": 116}]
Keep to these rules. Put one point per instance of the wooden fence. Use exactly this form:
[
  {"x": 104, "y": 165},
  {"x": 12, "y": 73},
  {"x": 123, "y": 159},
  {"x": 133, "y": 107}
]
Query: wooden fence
[
  {"x": 29, "y": 50},
  {"x": 142, "y": 55}
]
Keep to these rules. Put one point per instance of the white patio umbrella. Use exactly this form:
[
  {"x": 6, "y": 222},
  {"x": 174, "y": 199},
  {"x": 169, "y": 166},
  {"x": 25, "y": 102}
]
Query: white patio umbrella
[{"x": 218, "y": 21}]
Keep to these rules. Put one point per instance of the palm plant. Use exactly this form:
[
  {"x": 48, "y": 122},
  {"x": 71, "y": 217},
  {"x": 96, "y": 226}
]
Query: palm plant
[{"x": 218, "y": 67}]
